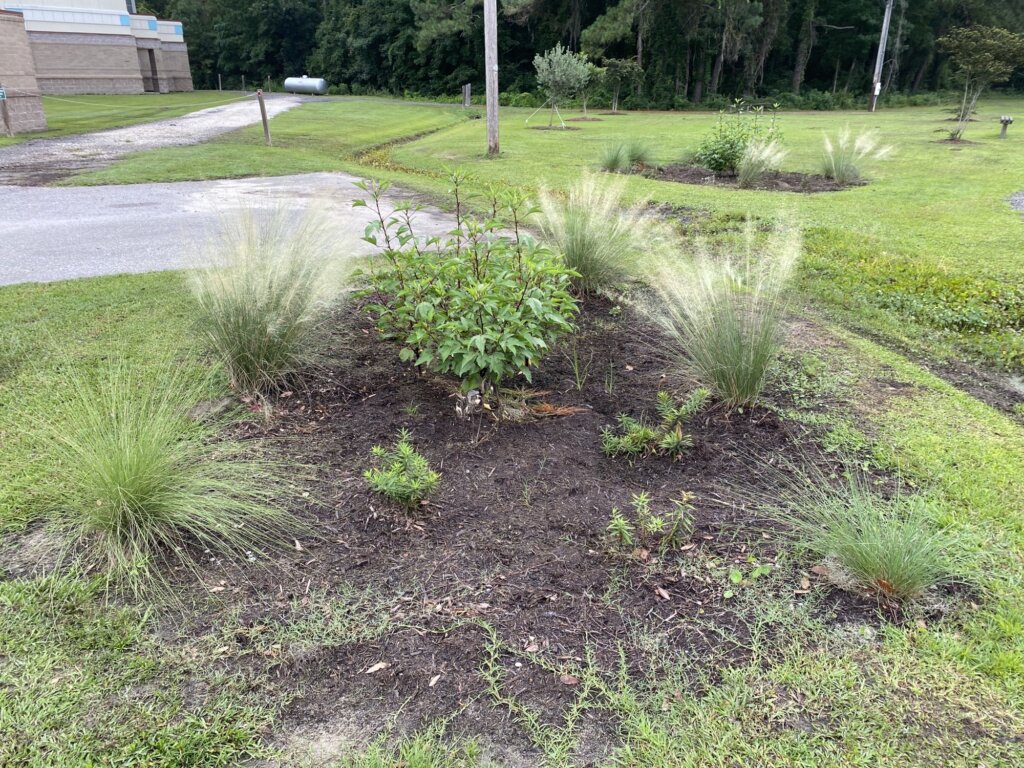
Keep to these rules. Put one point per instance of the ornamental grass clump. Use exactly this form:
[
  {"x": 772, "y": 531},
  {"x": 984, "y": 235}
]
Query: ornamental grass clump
[
  {"x": 600, "y": 240},
  {"x": 625, "y": 157},
  {"x": 843, "y": 158},
  {"x": 759, "y": 158},
  {"x": 723, "y": 314},
  {"x": 890, "y": 547},
  {"x": 143, "y": 486},
  {"x": 263, "y": 299}
]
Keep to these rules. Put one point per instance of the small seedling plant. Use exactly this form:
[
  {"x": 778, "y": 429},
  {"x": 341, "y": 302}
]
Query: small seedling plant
[
  {"x": 646, "y": 530},
  {"x": 635, "y": 438},
  {"x": 402, "y": 473},
  {"x": 477, "y": 304}
]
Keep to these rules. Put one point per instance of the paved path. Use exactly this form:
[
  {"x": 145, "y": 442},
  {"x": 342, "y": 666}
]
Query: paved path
[
  {"x": 57, "y": 233},
  {"x": 45, "y": 160}
]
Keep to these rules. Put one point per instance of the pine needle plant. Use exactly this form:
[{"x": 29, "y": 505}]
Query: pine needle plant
[
  {"x": 723, "y": 314},
  {"x": 759, "y": 158},
  {"x": 843, "y": 158},
  {"x": 402, "y": 474},
  {"x": 144, "y": 487},
  {"x": 600, "y": 240},
  {"x": 263, "y": 299}
]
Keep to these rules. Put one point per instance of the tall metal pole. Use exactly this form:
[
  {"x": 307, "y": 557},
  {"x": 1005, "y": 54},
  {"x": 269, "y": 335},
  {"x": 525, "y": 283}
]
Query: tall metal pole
[
  {"x": 876, "y": 82},
  {"x": 491, "y": 75}
]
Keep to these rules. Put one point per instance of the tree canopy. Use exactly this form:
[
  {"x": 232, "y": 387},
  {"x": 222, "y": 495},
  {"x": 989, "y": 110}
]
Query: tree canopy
[{"x": 688, "y": 50}]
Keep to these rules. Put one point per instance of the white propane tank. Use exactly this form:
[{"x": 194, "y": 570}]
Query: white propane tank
[{"x": 315, "y": 86}]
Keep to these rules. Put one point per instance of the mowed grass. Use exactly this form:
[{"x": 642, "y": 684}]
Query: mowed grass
[
  {"x": 66, "y": 115},
  {"x": 928, "y": 253},
  {"x": 325, "y": 137}
]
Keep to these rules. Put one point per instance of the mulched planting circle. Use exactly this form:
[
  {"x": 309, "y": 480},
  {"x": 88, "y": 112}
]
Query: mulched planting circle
[
  {"x": 774, "y": 181},
  {"x": 514, "y": 542}
]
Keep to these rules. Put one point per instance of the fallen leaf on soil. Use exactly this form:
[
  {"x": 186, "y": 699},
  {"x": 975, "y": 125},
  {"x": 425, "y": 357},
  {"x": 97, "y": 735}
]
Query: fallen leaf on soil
[
  {"x": 298, "y": 547},
  {"x": 805, "y": 583},
  {"x": 377, "y": 667},
  {"x": 820, "y": 570},
  {"x": 532, "y": 648},
  {"x": 687, "y": 547},
  {"x": 433, "y": 681},
  {"x": 921, "y": 624},
  {"x": 662, "y": 593},
  {"x": 569, "y": 680},
  {"x": 217, "y": 589},
  {"x": 548, "y": 409}
]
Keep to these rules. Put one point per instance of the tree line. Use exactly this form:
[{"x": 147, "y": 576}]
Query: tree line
[{"x": 690, "y": 51}]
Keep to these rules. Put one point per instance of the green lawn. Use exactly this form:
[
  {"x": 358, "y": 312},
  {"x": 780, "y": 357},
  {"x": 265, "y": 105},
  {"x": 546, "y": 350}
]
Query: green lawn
[
  {"x": 928, "y": 253},
  {"x": 83, "y": 114}
]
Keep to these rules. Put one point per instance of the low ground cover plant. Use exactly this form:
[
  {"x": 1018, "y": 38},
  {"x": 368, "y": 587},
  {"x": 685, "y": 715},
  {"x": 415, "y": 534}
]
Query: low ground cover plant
[
  {"x": 723, "y": 313},
  {"x": 636, "y": 438},
  {"x": 649, "y": 530},
  {"x": 889, "y": 547},
  {"x": 722, "y": 149},
  {"x": 402, "y": 473},
  {"x": 262, "y": 300},
  {"x": 480, "y": 305},
  {"x": 842, "y": 159},
  {"x": 143, "y": 485},
  {"x": 600, "y": 240}
]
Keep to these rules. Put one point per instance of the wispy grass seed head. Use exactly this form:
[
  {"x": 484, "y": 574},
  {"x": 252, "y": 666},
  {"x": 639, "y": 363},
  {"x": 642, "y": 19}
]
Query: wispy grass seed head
[
  {"x": 759, "y": 157},
  {"x": 842, "y": 159},
  {"x": 723, "y": 312}
]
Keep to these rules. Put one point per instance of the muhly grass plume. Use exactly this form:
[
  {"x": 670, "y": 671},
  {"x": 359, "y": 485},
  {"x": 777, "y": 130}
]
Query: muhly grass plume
[
  {"x": 759, "y": 157},
  {"x": 262, "y": 300},
  {"x": 599, "y": 239},
  {"x": 842, "y": 158},
  {"x": 143, "y": 485},
  {"x": 890, "y": 547},
  {"x": 723, "y": 312},
  {"x": 625, "y": 156}
]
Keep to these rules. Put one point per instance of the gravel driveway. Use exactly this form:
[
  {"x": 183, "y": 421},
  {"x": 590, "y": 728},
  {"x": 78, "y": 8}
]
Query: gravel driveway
[
  {"x": 46, "y": 160},
  {"x": 57, "y": 233}
]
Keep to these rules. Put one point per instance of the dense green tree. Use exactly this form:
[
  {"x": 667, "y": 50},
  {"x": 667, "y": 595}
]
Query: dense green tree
[{"x": 687, "y": 50}]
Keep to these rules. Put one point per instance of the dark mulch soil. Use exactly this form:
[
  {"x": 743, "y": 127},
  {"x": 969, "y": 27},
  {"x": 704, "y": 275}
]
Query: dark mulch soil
[
  {"x": 553, "y": 128},
  {"x": 515, "y": 535},
  {"x": 775, "y": 181},
  {"x": 584, "y": 120}
]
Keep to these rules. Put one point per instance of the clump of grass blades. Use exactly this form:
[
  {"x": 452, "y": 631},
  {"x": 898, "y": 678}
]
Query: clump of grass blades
[
  {"x": 614, "y": 159},
  {"x": 625, "y": 156},
  {"x": 758, "y": 159},
  {"x": 723, "y": 315},
  {"x": 262, "y": 303},
  {"x": 143, "y": 486},
  {"x": 890, "y": 547},
  {"x": 599, "y": 239},
  {"x": 842, "y": 158}
]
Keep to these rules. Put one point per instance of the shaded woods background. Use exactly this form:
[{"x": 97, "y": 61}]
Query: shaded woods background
[{"x": 809, "y": 53}]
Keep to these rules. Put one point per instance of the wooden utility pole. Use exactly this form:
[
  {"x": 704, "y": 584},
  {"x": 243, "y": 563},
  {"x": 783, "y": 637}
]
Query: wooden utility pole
[
  {"x": 876, "y": 81},
  {"x": 263, "y": 114},
  {"x": 491, "y": 75}
]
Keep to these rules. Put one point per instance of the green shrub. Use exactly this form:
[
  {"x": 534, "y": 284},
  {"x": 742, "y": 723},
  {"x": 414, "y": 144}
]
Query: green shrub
[
  {"x": 262, "y": 302},
  {"x": 841, "y": 159},
  {"x": 142, "y": 484},
  {"x": 482, "y": 306},
  {"x": 599, "y": 240},
  {"x": 722, "y": 149},
  {"x": 724, "y": 315},
  {"x": 888, "y": 547},
  {"x": 635, "y": 438},
  {"x": 402, "y": 474},
  {"x": 758, "y": 159}
]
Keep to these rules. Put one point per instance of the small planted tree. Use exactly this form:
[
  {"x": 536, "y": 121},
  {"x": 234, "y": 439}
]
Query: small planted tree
[
  {"x": 619, "y": 74},
  {"x": 562, "y": 74},
  {"x": 982, "y": 56}
]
